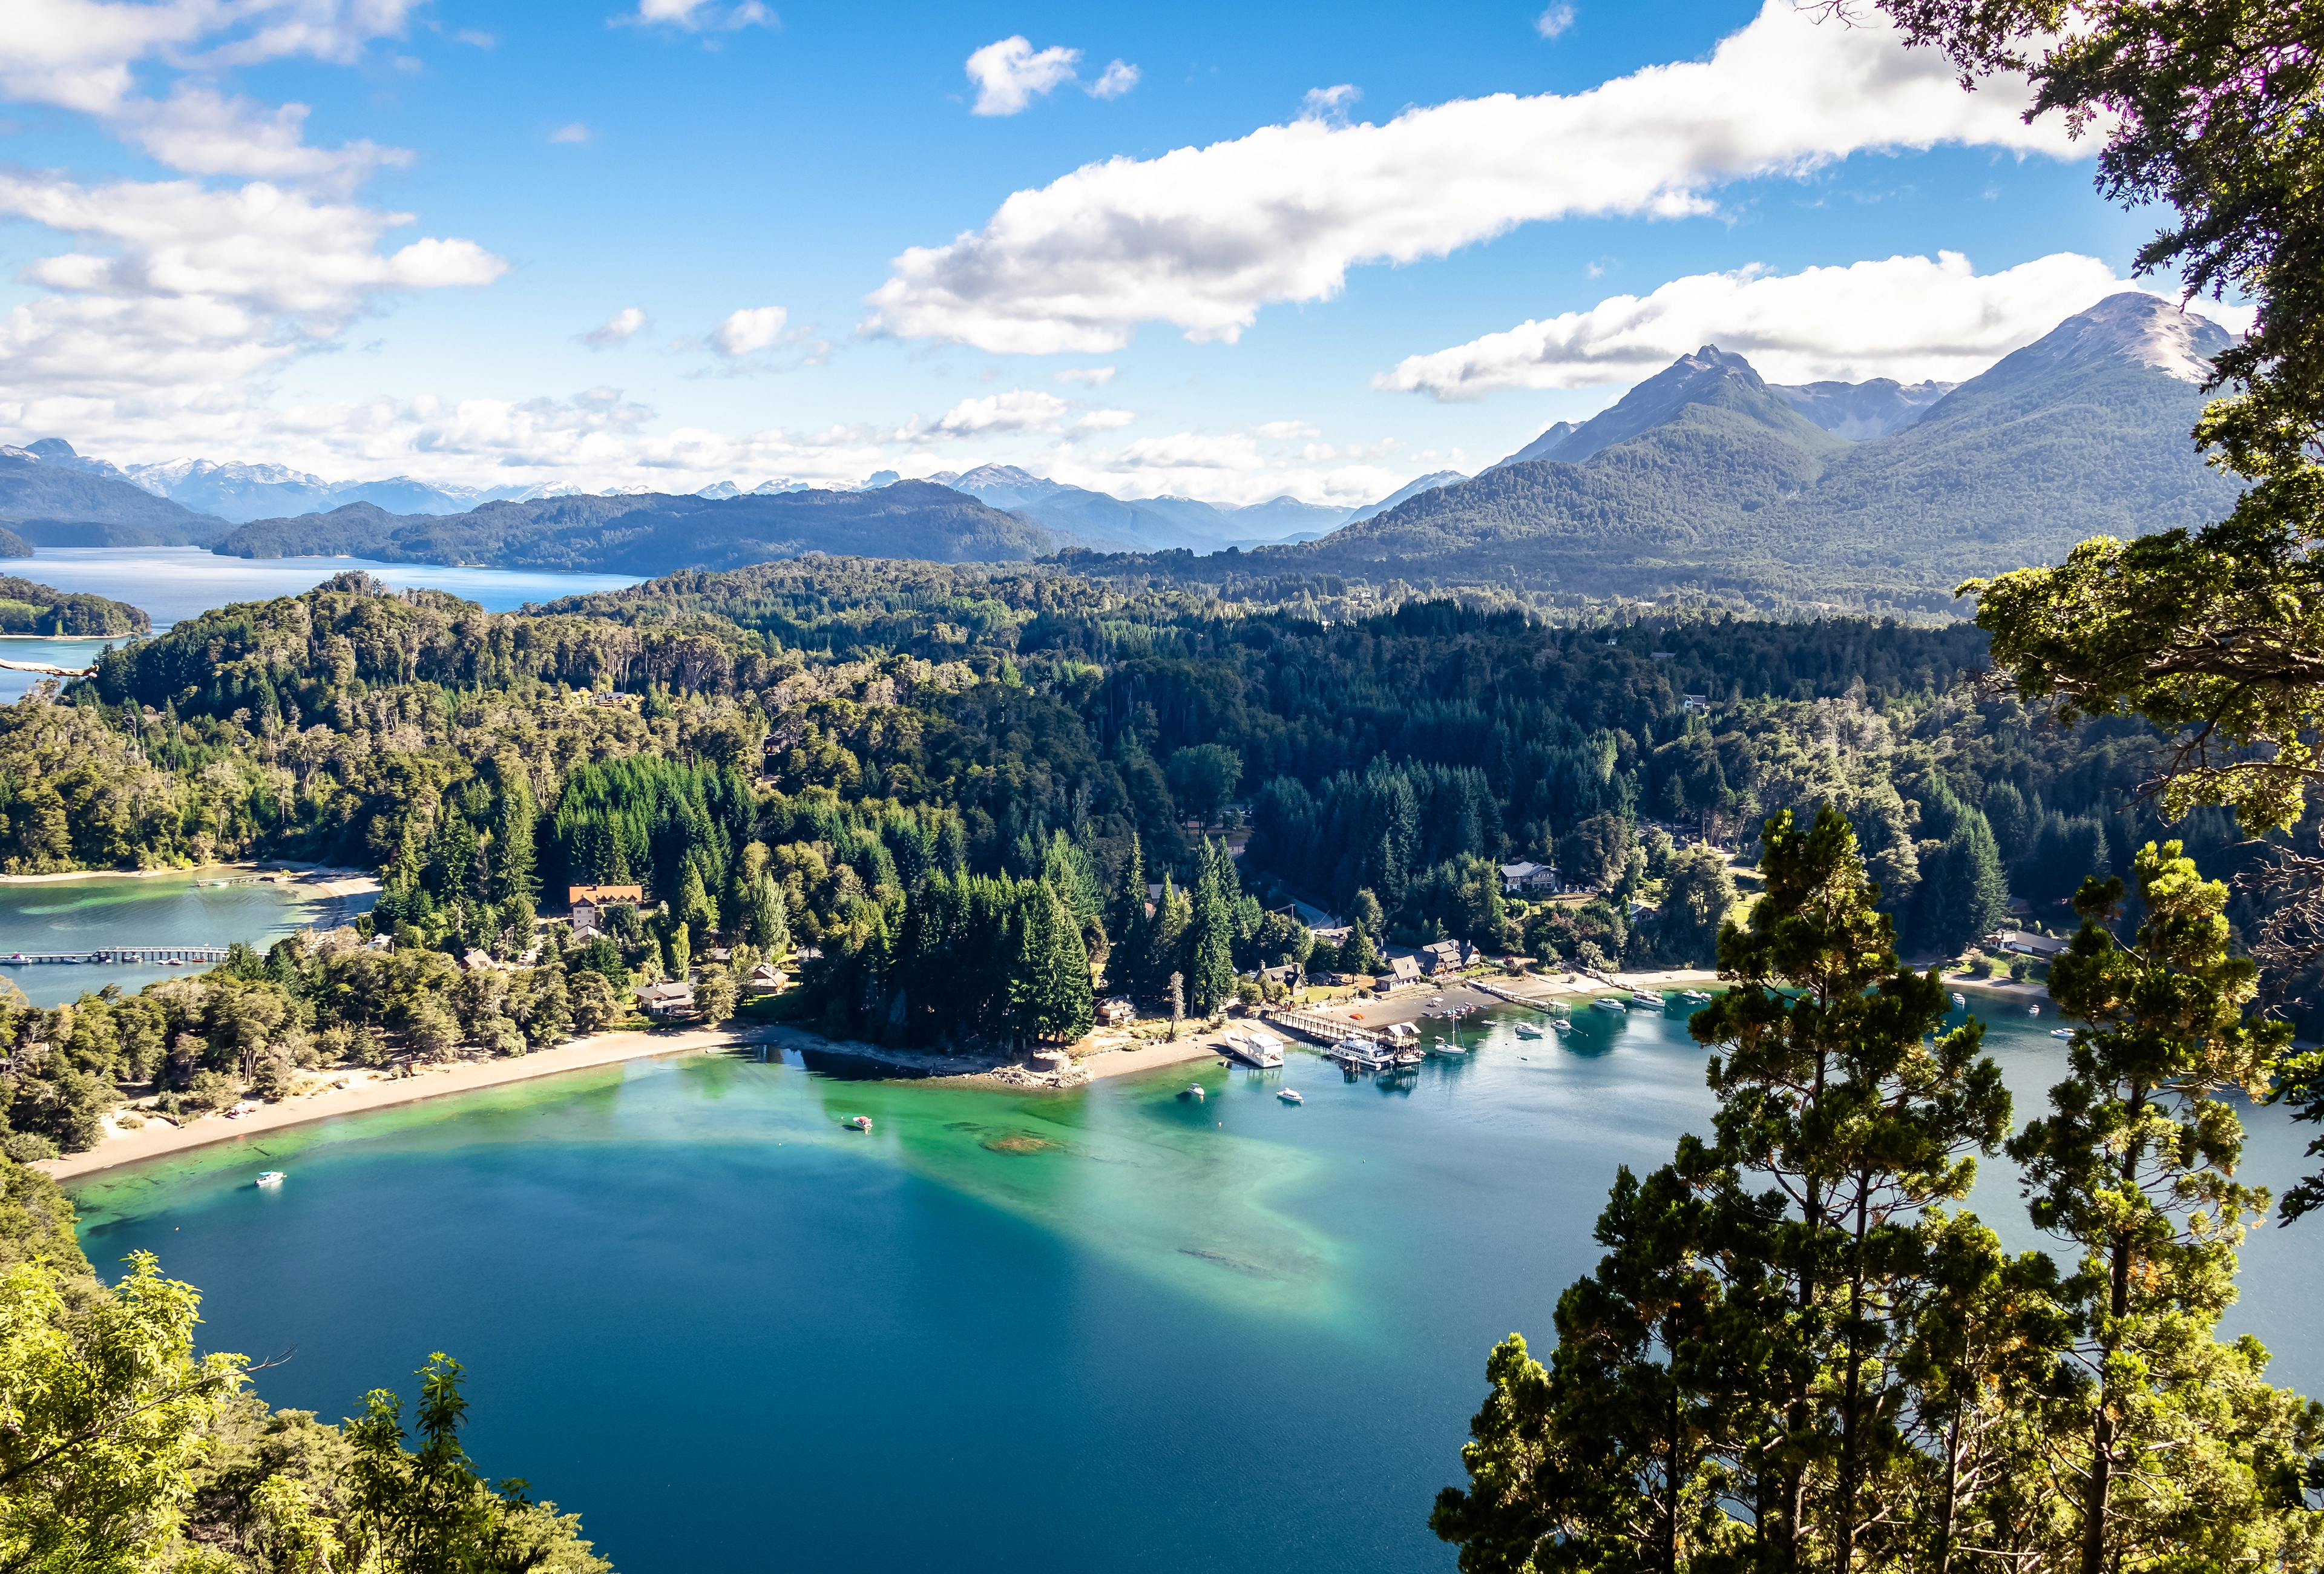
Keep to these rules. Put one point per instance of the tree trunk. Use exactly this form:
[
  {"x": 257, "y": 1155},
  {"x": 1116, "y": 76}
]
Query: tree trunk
[
  {"x": 2102, "y": 1426},
  {"x": 1851, "y": 1436}
]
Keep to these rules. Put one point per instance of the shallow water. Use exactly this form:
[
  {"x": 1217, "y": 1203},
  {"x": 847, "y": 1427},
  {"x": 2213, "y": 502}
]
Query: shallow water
[
  {"x": 175, "y": 909},
  {"x": 1110, "y": 1328}
]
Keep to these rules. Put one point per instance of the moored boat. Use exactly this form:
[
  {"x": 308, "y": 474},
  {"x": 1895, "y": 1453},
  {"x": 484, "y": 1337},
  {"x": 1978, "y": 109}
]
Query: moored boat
[
  {"x": 1526, "y": 1030},
  {"x": 862, "y": 1123},
  {"x": 1290, "y": 1096},
  {"x": 1608, "y": 1003},
  {"x": 269, "y": 1178}
]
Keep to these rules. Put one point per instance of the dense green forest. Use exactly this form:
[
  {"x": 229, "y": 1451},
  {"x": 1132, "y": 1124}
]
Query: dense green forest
[
  {"x": 26, "y": 608},
  {"x": 927, "y": 777}
]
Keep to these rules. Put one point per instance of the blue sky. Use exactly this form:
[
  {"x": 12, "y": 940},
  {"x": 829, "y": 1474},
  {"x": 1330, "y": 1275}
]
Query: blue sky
[{"x": 1222, "y": 252}]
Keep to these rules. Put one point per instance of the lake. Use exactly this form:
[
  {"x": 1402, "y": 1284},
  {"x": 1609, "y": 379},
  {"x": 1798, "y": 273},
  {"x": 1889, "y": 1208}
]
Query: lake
[
  {"x": 1105, "y": 1327},
  {"x": 176, "y": 583},
  {"x": 174, "y": 909}
]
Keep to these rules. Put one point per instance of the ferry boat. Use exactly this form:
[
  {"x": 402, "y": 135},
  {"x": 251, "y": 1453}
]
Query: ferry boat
[
  {"x": 862, "y": 1123},
  {"x": 1608, "y": 1003},
  {"x": 1526, "y": 1030},
  {"x": 1290, "y": 1096},
  {"x": 269, "y": 1178}
]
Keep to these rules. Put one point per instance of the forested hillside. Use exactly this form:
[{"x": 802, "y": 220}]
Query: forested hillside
[{"x": 653, "y": 532}]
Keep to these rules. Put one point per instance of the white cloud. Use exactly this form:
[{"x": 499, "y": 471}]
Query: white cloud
[
  {"x": 617, "y": 329},
  {"x": 475, "y": 39},
  {"x": 1330, "y": 104},
  {"x": 1011, "y": 74},
  {"x": 1290, "y": 429},
  {"x": 1105, "y": 421},
  {"x": 1553, "y": 21},
  {"x": 1017, "y": 410},
  {"x": 1094, "y": 376},
  {"x": 1202, "y": 237},
  {"x": 575, "y": 132},
  {"x": 753, "y": 327},
  {"x": 1906, "y": 318},
  {"x": 1115, "y": 80},
  {"x": 696, "y": 16}
]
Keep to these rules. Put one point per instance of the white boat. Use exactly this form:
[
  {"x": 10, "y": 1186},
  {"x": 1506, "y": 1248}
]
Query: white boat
[
  {"x": 269, "y": 1178},
  {"x": 1193, "y": 1092},
  {"x": 1445, "y": 1047},
  {"x": 862, "y": 1123},
  {"x": 1643, "y": 998},
  {"x": 1290, "y": 1096},
  {"x": 1959, "y": 999},
  {"x": 1696, "y": 996},
  {"x": 1562, "y": 1025},
  {"x": 2061, "y": 1032},
  {"x": 1609, "y": 1004},
  {"x": 1255, "y": 1047},
  {"x": 2032, "y": 1011},
  {"x": 1526, "y": 1030}
]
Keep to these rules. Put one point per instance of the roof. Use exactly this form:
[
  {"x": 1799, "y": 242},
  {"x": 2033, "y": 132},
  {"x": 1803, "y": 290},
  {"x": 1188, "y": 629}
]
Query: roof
[
  {"x": 1526, "y": 871},
  {"x": 2018, "y": 940},
  {"x": 667, "y": 993},
  {"x": 576, "y": 895},
  {"x": 1403, "y": 968}
]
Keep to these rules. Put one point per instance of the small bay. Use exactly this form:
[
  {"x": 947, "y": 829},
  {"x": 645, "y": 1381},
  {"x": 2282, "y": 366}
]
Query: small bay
[
  {"x": 192, "y": 907},
  {"x": 1105, "y": 1327}
]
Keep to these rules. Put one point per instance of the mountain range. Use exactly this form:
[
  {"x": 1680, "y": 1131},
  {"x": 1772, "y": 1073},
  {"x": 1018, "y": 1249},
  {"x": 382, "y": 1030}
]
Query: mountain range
[
  {"x": 1707, "y": 477},
  {"x": 1704, "y": 476}
]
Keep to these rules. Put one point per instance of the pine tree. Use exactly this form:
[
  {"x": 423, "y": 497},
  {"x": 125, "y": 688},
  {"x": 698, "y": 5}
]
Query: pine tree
[
  {"x": 1833, "y": 1091},
  {"x": 766, "y": 924},
  {"x": 1964, "y": 895},
  {"x": 1050, "y": 989},
  {"x": 1210, "y": 936},
  {"x": 692, "y": 907},
  {"x": 1356, "y": 954},
  {"x": 2188, "y": 1456},
  {"x": 514, "y": 851},
  {"x": 1126, "y": 922}
]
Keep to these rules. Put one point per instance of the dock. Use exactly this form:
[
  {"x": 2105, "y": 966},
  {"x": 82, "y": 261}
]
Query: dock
[
  {"x": 1322, "y": 1029},
  {"x": 1512, "y": 997},
  {"x": 120, "y": 954}
]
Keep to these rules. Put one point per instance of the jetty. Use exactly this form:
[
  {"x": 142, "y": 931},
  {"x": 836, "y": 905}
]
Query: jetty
[
  {"x": 1323, "y": 1030},
  {"x": 1511, "y": 995},
  {"x": 120, "y": 954}
]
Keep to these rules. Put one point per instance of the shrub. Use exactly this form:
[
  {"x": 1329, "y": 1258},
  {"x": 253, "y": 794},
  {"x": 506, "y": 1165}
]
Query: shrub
[
  {"x": 211, "y": 1090},
  {"x": 24, "y": 1147}
]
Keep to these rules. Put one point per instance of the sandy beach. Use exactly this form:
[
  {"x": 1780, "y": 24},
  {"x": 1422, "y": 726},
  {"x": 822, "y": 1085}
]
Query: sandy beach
[
  {"x": 157, "y": 1137},
  {"x": 317, "y": 877}
]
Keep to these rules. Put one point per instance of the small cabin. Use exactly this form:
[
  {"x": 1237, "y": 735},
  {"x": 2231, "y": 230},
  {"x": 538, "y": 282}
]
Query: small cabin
[{"x": 1117, "y": 1012}]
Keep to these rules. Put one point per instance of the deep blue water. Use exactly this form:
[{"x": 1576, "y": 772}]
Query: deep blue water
[{"x": 1157, "y": 1334}]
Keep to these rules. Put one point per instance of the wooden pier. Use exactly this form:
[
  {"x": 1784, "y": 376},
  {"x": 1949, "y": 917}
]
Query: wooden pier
[
  {"x": 1322, "y": 1029},
  {"x": 120, "y": 954}
]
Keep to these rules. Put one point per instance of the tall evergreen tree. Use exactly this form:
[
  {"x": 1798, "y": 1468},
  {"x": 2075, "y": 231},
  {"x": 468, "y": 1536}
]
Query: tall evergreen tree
[
  {"x": 1210, "y": 936},
  {"x": 515, "y": 864},
  {"x": 1050, "y": 989},
  {"x": 1834, "y": 1092},
  {"x": 2188, "y": 1457},
  {"x": 1964, "y": 895},
  {"x": 766, "y": 924}
]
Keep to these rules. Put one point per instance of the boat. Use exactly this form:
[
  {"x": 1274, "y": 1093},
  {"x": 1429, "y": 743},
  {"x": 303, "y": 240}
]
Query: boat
[
  {"x": 1562, "y": 1025},
  {"x": 1959, "y": 999},
  {"x": 1290, "y": 1096},
  {"x": 1445, "y": 1047},
  {"x": 860, "y": 1123},
  {"x": 2061, "y": 1032},
  {"x": 1695, "y": 996},
  {"x": 269, "y": 1178},
  {"x": 18, "y": 960},
  {"x": 1255, "y": 1047},
  {"x": 2032, "y": 1011},
  {"x": 1611, "y": 1004},
  {"x": 1643, "y": 998},
  {"x": 1526, "y": 1030}
]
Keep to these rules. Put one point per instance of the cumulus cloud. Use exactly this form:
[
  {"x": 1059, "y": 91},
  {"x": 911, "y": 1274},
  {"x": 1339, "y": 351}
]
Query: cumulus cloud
[
  {"x": 1553, "y": 21},
  {"x": 617, "y": 329},
  {"x": 1907, "y": 317},
  {"x": 575, "y": 132},
  {"x": 1202, "y": 237},
  {"x": 1105, "y": 421},
  {"x": 1094, "y": 376},
  {"x": 1117, "y": 79},
  {"x": 753, "y": 327},
  {"x": 1017, "y": 410},
  {"x": 696, "y": 16},
  {"x": 1011, "y": 74}
]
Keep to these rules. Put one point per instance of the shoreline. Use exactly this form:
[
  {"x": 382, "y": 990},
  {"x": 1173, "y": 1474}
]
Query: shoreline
[
  {"x": 326, "y": 879},
  {"x": 157, "y": 1138}
]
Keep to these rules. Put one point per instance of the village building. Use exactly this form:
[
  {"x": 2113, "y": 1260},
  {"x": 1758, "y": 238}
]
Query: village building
[
  {"x": 664, "y": 1001},
  {"x": 2025, "y": 944},
  {"x": 1525, "y": 879},
  {"x": 587, "y": 904},
  {"x": 1117, "y": 1012}
]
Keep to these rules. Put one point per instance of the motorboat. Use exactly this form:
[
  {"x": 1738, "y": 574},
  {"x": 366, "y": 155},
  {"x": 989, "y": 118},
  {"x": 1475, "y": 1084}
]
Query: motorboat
[
  {"x": 1562, "y": 1025},
  {"x": 1643, "y": 998},
  {"x": 1194, "y": 1092},
  {"x": 1608, "y": 1003},
  {"x": 2061, "y": 1032},
  {"x": 862, "y": 1123},
  {"x": 1526, "y": 1030},
  {"x": 269, "y": 1178},
  {"x": 1290, "y": 1096},
  {"x": 1959, "y": 999},
  {"x": 2032, "y": 1011},
  {"x": 1255, "y": 1047},
  {"x": 1695, "y": 996}
]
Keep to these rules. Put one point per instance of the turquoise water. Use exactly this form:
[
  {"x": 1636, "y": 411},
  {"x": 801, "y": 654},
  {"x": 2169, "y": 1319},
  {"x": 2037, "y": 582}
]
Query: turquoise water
[
  {"x": 156, "y": 909},
  {"x": 1109, "y": 1328},
  {"x": 175, "y": 583}
]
